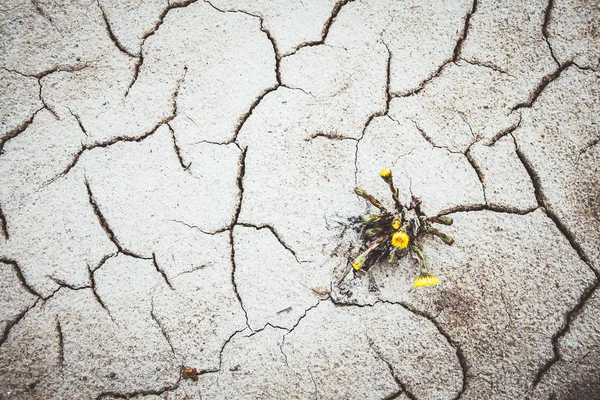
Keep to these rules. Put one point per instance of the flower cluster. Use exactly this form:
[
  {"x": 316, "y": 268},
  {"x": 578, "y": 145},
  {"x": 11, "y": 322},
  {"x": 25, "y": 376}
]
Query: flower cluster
[{"x": 392, "y": 235}]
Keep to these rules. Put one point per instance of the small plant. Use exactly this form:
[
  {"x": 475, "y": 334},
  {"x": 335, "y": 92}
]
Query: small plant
[{"x": 392, "y": 235}]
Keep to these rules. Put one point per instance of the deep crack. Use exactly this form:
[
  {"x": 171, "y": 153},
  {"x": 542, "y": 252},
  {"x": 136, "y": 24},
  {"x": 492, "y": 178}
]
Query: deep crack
[
  {"x": 487, "y": 65},
  {"x": 161, "y": 272},
  {"x": 152, "y": 31},
  {"x": 275, "y": 234},
  {"x": 459, "y": 353},
  {"x": 547, "y": 16},
  {"x": 18, "y": 130},
  {"x": 456, "y": 56},
  {"x": 456, "y": 53},
  {"x": 162, "y": 330},
  {"x": 92, "y": 280},
  {"x": 587, "y": 293},
  {"x": 3, "y": 225},
  {"x": 535, "y": 93},
  {"x": 78, "y": 119},
  {"x": 19, "y": 275},
  {"x": 505, "y": 132},
  {"x": 325, "y": 31},
  {"x": 61, "y": 344},
  {"x": 380, "y": 113},
  {"x": 541, "y": 200},
  {"x": 478, "y": 171},
  {"x": 15, "y": 321},
  {"x": 102, "y": 219},
  {"x": 112, "y": 35},
  {"x": 401, "y": 386},
  {"x": 265, "y": 92},
  {"x": 178, "y": 150},
  {"x": 238, "y": 209},
  {"x": 119, "y": 139}
]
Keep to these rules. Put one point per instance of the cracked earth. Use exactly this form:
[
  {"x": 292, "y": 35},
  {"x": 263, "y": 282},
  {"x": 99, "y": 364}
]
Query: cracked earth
[{"x": 176, "y": 179}]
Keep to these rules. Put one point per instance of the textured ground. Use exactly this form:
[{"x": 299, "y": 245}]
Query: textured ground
[{"x": 175, "y": 179}]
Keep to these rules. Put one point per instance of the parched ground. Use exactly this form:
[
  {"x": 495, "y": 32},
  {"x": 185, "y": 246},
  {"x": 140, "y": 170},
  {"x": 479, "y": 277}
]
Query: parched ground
[{"x": 176, "y": 180}]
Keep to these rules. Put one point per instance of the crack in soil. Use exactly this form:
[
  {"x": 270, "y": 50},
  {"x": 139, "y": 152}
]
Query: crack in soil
[
  {"x": 428, "y": 138},
  {"x": 478, "y": 171},
  {"x": 19, "y": 274},
  {"x": 41, "y": 11},
  {"x": 61, "y": 345},
  {"x": 78, "y": 119},
  {"x": 535, "y": 93},
  {"x": 505, "y": 132},
  {"x": 163, "y": 331},
  {"x": 456, "y": 53},
  {"x": 137, "y": 393},
  {"x": 491, "y": 66},
  {"x": 325, "y": 31},
  {"x": 240, "y": 184},
  {"x": 3, "y": 225},
  {"x": 146, "y": 35},
  {"x": 105, "y": 226},
  {"x": 18, "y": 130},
  {"x": 380, "y": 113},
  {"x": 587, "y": 147},
  {"x": 112, "y": 35},
  {"x": 547, "y": 17},
  {"x": 92, "y": 279},
  {"x": 62, "y": 283},
  {"x": 456, "y": 56},
  {"x": 178, "y": 150},
  {"x": 14, "y": 322},
  {"x": 161, "y": 271},
  {"x": 220, "y": 230},
  {"x": 541, "y": 200},
  {"x": 401, "y": 386},
  {"x": 458, "y": 349},
  {"x": 275, "y": 234},
  {"x": 223, "y": 349},
  {"x": 265, "y": 31},
  {"x": 459, "y": 352},
  {"x": 587, "y": 293},
  {"x": 119, "y": 139}
]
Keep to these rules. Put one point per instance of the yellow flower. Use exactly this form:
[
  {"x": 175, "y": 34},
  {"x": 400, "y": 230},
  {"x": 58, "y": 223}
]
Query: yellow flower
[
  {"x": 426, "y": 280},
  {"x": 397, "y": 222},
  {"x": 386, "y": 173},
  {"x": 400, "y": 239}
]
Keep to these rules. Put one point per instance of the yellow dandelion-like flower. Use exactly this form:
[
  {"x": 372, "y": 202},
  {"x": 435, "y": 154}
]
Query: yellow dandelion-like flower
[
  {"x": 426, "y": 280},
  {"x": 400, "y": 239},
  {"x": 386, "y": 173}
]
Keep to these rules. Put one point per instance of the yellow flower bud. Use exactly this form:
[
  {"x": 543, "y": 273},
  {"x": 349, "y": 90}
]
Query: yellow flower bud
[
  {"x": 400, "y": 239},
  {"x": 397, "y": 222},
  {"x": 359, "y": 262},
  {"x": 392, "y": 256},
  {"x": 360, "y": 191},
  {"x": 386, "y": 173},
  {"x": 372, "y": 232},
  {"x": 367, "y": 219}
]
